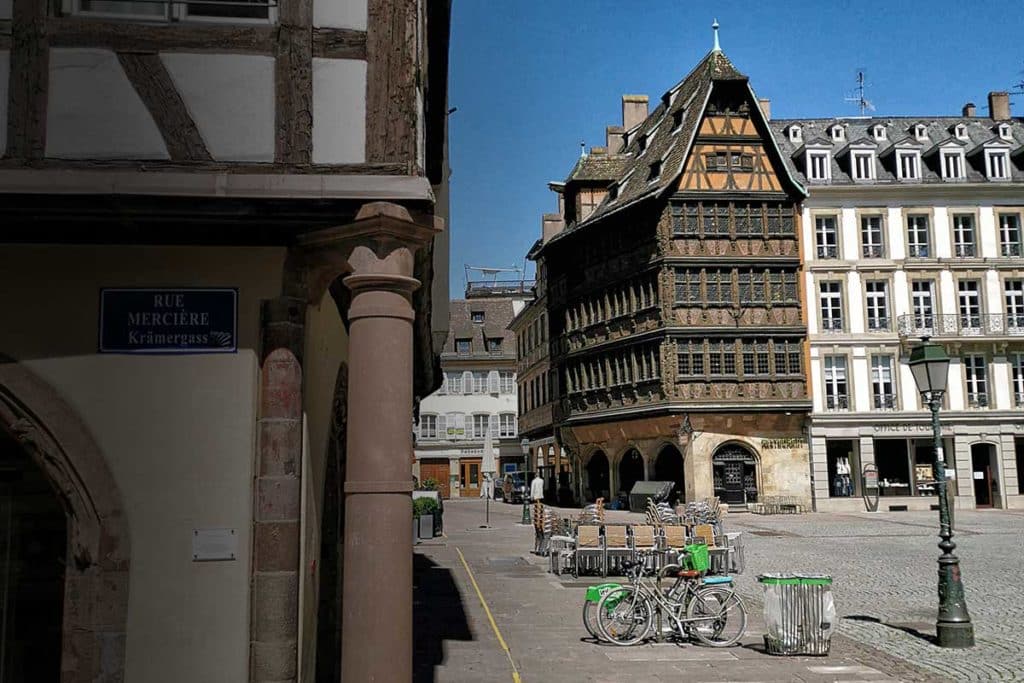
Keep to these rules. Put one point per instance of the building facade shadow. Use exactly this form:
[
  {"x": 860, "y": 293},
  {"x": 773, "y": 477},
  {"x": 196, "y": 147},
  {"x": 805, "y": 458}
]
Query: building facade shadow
[{"x": 438, "y": 615}]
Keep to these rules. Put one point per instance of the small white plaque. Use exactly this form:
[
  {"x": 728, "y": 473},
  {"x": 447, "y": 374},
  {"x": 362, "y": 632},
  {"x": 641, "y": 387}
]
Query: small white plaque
[
  {"x": 210, "y": 545},
  {"x": 979, "y": 475},
  {"x": 950, "y": 474}
]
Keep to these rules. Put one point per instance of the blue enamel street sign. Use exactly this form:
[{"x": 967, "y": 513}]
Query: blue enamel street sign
[{"x": 186, "y": 320}]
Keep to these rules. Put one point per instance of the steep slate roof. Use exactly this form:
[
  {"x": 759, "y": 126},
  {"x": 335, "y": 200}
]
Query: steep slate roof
[
  {"x": 498, "y": 314},
  {"x": 664, "y": 143},
  {"x": 603, "y": 167},
  {"x": 898, "y": 132}
]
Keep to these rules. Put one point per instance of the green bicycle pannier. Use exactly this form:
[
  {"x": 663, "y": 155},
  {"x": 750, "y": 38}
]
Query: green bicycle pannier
[{"x": 697, "y": 557}]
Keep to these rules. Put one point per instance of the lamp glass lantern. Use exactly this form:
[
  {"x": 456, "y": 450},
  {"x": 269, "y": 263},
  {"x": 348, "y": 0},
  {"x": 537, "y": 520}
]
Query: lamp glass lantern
[{"x": 930, "y": 366}]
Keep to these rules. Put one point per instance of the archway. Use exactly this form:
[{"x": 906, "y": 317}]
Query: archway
[
  {"x": 49, "y": 434},
  {"x": 33, "y": 535},
  {"x": 668, "y": 466},
  {"x": 597, "y": 476},
  {"x": 735, "y": 474},
  {"x": 631, "y": 470}
]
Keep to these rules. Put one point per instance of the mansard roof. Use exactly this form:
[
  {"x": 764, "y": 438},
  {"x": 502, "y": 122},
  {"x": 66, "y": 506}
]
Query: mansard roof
[
  {"x": 666, "y": 143},
  {"x": 980, "y": 133},
  {"x": 598, "y": 167}
]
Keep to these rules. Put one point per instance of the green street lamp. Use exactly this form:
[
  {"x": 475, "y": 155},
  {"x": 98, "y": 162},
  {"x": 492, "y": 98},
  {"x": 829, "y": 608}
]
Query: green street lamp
[
  {"x": 930, "y": 367},
  {"x": 525, "y": 446}
]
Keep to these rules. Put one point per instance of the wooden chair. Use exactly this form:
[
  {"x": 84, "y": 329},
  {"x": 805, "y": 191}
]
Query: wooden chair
[
  {"x": 588, "y": 547},
  {"x": 616, "y": 544},
  {"x": 673, "y": 538},
  {"x": 706, "y": 533},
  {"x": 645, "y": 545}
]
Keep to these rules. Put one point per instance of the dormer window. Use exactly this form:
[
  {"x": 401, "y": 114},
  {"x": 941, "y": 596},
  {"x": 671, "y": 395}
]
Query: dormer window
[
  {"x": 862, "y": 165},
  {"x": 908, "y": 165},
  {"x": 952, "y": 161},
  {"x": 1004, "y": 131},
  {"x": 796, "y": 134},
  {"x": 477, "y": 316},
  {"x": 819, "y": 165},
  {"x": 677, "y": 119},
  {"x": 655, "y": 171},
  {"x": 997, "y": 164},
  {"x": 642, "y": 143},
  {"x": 878, "y": 132},
  {"x": 613, "y": 192},
  {"x": 920, "y": 132},
  {"x": 960, "y": 131},
  {"x": 838, "y": 133}
]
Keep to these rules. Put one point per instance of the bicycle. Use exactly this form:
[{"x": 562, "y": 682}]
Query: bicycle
[{"x": 712, "y": 613}]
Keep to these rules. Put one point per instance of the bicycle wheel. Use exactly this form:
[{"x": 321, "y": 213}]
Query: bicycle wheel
[
  {"x": 624, "y": 616},
  {"x": 590, "y": 620},
  {"x": 719, "y": 617}
]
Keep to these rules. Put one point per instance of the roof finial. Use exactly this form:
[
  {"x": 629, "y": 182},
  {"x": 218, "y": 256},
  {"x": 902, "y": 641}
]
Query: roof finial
[
  {"x": 717, "y": 47},
  {"x": 583, "y": 149}
]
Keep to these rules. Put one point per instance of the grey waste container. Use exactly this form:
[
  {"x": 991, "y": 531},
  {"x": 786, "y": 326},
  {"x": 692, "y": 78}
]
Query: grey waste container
[
  {"x": 799, "y": 613},
  {"x": 642, "y": 490}
]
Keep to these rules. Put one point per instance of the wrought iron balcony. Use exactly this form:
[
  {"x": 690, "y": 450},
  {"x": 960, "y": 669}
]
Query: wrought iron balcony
[
  {"x": 1018, "y": 400},
  {"x": 965, "y": 249},
  {"x": 839, "y": 402},
  {"x": 832, "y": 324},
  {"x": 955, "y": 325},
  {"x": 918, "y": 251},
  {"x": 1011, "y": 250},
  {"x": 885, "y": 401},
  {"x": 828, "y": 251},
  {"x": 977, "y": 400},
  {"x": 873, "y": 251},
  {"x": 879, "y": 324}
]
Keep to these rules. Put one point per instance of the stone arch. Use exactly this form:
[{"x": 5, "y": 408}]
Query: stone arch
[
  {"x": 597, "y": 475},
  {"x": 669, "y": 466},
  {"x": 95, "y": 607},
  {"x": 631, "y": 468},
  {"x": 736, "y": 472}
]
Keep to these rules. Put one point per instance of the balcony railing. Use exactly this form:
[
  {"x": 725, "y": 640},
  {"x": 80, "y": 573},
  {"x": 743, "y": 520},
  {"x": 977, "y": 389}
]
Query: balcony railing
[
  {"x": 965, "y": 249},
  {"x": 956, "y": 325},
  {"x": 873, "y": 251},
  {"x": 918, "y": 251},
  {"x": 828, "y": 251},
  {"x": 885, "y": 401},
  {"x": 832, "y": 324},
  {"x": 837, "y": 403},
  {"x": 1018, "y": 400},
  {"x": 1011, "y": 250},
  {"x": 879, "y": 324},
  {"x": 977, "y": 400}
]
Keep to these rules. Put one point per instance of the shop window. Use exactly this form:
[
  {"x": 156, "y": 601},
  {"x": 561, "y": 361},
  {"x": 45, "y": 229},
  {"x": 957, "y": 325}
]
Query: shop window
[
  {"x": 893, "y": 464},
  {"x": 843, "y": 475}
]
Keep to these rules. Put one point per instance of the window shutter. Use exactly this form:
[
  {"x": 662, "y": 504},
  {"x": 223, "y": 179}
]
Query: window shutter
[
  {"x": 493, "y": 383},
  {"x": 442, "y": 427},
  {"x": 467, "y": 382}
]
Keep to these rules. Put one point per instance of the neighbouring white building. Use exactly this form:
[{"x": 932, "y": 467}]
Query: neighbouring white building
[
  {"x": 478, "y": 394},
  {"x": 913, "y": 228}
]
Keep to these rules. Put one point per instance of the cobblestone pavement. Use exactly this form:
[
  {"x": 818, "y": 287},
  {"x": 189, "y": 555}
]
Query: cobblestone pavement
[
  {"x": 538, "y": 614},
  {"x": 885, "y": 573}
]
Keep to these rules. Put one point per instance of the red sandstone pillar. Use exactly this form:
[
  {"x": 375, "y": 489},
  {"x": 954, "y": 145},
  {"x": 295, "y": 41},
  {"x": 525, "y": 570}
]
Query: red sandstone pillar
[{"x": 377, "y": 590}]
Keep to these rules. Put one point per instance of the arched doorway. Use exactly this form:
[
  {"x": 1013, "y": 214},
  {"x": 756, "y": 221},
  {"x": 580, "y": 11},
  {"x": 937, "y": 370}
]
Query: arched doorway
[
  {"x": 597, "y": 476},
  {"x": 735, "y": 474},
  {"x": 33, "y": 554},
  {"x": 631, "y": 470},
  {"x": 668, "y": 466},
  {"x": 983, "y": 467}
]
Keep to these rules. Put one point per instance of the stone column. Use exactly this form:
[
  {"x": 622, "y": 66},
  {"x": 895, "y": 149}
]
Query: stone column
[{"x": 377, "y": 590}]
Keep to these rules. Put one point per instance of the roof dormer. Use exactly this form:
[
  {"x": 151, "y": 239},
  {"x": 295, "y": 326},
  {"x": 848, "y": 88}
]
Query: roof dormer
[
  {"x": 878, "y": 132},
  {"x": 1004, "y": 132},
  {"x": 960, "y": 131},
  {"x": 837, "y": 132},
  {"x": 796, "y": 133},
  {"x": 920, "y": 132}
]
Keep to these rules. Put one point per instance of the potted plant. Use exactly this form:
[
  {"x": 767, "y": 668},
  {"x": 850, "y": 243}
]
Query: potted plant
[{"x": 424, "y": 509}]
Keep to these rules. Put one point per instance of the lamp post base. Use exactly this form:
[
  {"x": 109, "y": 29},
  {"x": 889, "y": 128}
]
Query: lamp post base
[{"x": 957, "y": 635}]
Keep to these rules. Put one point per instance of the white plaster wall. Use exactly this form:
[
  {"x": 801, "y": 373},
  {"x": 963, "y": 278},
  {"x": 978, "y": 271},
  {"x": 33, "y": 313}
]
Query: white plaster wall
[
  {"x": 93, "y": 112},
  {"x": 177, "y": 432},
  {"x": 860, "y": 380},
  {"x": 948, "y": 302},
  {"x": 814, "y": 302},
  {"x": 337, "y": 13},
  {"x": 849, "y": 235},
  {"x": 5, "y": 70},
  {"x": 339, "y": 111},
  {"x": 941, "y": 233},
  {"x": 817, "y": 390},
  {"x": 1002, "y": 382},
  {"x": 993, "y": 300},
  {"x": 900, "y": 293},
  {"x": 854, "y": 303},
  {"x": 988, "y": 233},
  {"x": 897, "y": 233},
  {"x": 231, "y": 100},
  {"x": 955, "y": 387}
]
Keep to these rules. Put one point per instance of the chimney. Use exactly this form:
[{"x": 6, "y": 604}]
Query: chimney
[
  {"x": 634, "y": 110},
  {"x": 969, "y": 110},
  {"x": 999, "y": 105},
  {"x": 551, "y": 225},
  {"x": 613, "y": 138},
  {"x": 766, "y": 107},
  {"x": 598, "y": 151}
]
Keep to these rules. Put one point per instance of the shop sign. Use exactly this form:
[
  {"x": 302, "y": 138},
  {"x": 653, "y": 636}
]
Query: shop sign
[
  {"x": 168, "y": 320},
  {"x": 783, "y": 444},
  {"x": 903, "y": 427}
]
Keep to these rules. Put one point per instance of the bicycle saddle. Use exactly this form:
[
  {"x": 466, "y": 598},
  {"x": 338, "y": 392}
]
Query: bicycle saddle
[{"x": 688, "y": 573}]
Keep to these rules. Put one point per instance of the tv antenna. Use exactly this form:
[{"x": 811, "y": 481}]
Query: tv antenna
[{"x": 862, "y": 102}]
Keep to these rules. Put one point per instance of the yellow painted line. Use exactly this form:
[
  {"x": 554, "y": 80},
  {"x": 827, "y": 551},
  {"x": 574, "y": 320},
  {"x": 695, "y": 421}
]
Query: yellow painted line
[{"x": 490, "y": 618}]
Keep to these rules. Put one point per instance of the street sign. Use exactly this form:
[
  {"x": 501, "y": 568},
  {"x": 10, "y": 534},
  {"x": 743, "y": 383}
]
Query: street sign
[{"x": 183, "y": 320}]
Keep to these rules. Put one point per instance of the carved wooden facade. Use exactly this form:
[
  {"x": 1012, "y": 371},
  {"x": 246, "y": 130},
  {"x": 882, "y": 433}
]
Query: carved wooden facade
[{"x": 684, "y": 298}]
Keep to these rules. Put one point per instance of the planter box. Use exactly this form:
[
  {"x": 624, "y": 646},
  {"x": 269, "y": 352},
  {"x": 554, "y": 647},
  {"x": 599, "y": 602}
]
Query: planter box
[{"x": 426, "y": 526}]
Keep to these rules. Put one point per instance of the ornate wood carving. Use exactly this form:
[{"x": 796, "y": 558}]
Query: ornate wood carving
[
  {"x": 153, "y": 83},
  {"x": 28, "y": 81},
  {"x": 391, "y": 80}
]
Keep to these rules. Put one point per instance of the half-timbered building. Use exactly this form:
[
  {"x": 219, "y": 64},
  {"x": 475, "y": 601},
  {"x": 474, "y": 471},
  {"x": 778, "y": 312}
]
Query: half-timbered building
[
  {"x": 677, "y": 332},
  {"x": 222, "y": 245}
]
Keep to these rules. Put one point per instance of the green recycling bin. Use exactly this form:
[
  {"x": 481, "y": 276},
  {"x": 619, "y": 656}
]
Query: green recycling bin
[{"x": 799, "y": 613}]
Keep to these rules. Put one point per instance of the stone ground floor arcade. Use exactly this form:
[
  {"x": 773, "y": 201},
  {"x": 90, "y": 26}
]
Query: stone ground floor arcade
[{"x": 739, "y": 457}]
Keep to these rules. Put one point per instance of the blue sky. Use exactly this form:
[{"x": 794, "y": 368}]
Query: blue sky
[{"x": 532, "y": 79}]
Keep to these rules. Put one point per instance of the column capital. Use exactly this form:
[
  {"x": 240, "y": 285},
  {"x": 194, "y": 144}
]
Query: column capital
[{"x": 378, "y": 246}]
